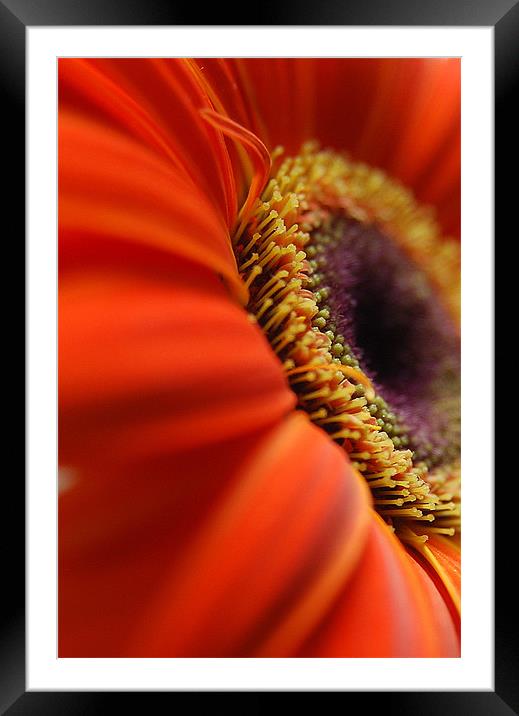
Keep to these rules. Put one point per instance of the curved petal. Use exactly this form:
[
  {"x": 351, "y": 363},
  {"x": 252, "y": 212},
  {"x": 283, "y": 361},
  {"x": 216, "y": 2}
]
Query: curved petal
[
  {"x": 389, "y": 608},
  {"x": 222, "y": 84},
  {"x": 156, "y": 413},
  {"x": 440, "y": 604},
  {"x": 156, "y": 102},
  {"x": 112, "y": 187},
  {"x": 123, "y": 528},
  {"x": 272, "y": 555},
  {"x": 441, "y": 559},
  {"x": 259, "y": 158},
  {"x": 158, "y": 360},
  {"x": 284, "y": 95},
  {"x": 402, "y": 115}
]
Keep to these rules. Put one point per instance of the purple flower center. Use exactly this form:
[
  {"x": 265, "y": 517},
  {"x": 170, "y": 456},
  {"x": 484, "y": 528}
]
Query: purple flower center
[{"x": 396, "y": 328}]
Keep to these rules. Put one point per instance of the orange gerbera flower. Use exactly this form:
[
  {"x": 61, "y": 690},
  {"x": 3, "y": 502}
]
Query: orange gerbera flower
[{"x": 258, "y": 357}]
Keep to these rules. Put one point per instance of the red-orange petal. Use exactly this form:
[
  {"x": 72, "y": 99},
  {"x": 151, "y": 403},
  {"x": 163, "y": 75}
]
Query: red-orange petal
[
  {"x": 158, "y": 358},
  {"x": 441, "y": 559},
  {"x": 269, "y": 560},
  {"x": 402, "y": 115},
  {"x": 157, "y": 102},
  {"x": 123, "y": 527},
  {"x": 389, "y": 608},
  {"x": 258, "y": 154},
  {"x": 112, "y": 187}
]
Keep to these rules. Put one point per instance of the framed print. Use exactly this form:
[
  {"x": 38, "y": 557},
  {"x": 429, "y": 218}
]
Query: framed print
[{"x": 260, "y": 351}]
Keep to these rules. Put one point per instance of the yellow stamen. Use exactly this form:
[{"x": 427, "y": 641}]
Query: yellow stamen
[{"x": 272, "y": 249}]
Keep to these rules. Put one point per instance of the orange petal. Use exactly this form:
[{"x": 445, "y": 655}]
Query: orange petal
[
  {"x": 123, "y": 528},
  {"x": 441, "y": 185},
  {"x": 431, "y": 115},
  {"x": 258, "y": 154},
  {"x": 270, "y": 558},
  {"x": 283, "y": 92},
  {"x": 155, "y": 101},
  {"x": 158, "y": 359},
  {"x": 221, "y": 79},
  {"x": 388, "y": 608},
  {"x": 441, "y": 558},
  {"x": 218, "y": 78},
  {"x": 111, "y": 187},
  {"x": 402, "y": 115}
]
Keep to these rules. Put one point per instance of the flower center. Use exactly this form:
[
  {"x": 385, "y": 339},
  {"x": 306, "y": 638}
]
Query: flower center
[
  {"x": 383, "y": 316},
  {"x": 344, "y": 271}
]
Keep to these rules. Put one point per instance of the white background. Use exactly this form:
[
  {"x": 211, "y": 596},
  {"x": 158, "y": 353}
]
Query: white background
[{"x": 474, "y": 670}]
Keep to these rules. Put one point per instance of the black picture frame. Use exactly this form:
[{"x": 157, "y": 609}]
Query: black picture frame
[{"x": 15, "y": 17}]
